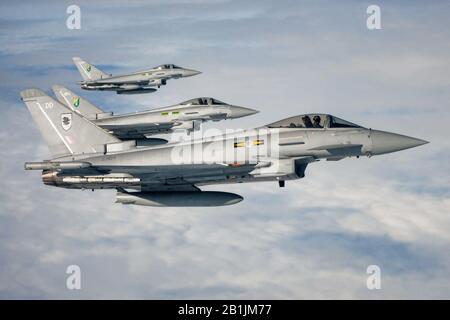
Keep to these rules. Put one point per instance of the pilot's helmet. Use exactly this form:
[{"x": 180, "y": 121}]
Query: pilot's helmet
[{"x": 316, "y": 119}]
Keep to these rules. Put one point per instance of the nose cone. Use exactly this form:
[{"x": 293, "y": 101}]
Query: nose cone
[
  {"x": 385, "y": 142},
  {"x": 190, "y": 73},
  {"x": 238, "y": 112}
]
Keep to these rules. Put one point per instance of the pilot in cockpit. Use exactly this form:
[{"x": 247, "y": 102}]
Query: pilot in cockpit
[
  {"x": 316, "y": 123},
  {"x": 307, "y": 121}
]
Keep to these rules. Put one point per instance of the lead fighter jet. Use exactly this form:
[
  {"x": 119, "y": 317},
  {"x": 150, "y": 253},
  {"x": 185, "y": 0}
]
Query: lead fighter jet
[
  {"x": 85, "y": 156},
  {"x": 139, "y": 125},
  {"x": 137, "y": 82}
]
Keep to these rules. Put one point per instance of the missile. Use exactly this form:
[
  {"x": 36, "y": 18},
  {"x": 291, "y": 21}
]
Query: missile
[
  {"x": 48, "y": 165},
  {"x": 136, "y": 91},
  {"x": 54, "y": 178},
  {"x": 179, "y": 198}
]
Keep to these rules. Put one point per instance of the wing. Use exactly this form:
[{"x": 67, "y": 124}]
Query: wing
[
  {"x": 152, "y": 178},
  {"x": 189, "y": 173},
  {"x": 137, "y": 131},
  {"x": 176, "y": 184},
  {"x": 166, "y": 179}
]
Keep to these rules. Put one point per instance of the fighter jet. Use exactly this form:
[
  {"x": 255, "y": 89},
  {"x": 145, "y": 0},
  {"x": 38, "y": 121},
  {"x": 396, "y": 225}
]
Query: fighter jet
[
  {"x": 85, "y": 156},
  {"x": 140, "y": 125},
  {"x": 137, "y": 82}
]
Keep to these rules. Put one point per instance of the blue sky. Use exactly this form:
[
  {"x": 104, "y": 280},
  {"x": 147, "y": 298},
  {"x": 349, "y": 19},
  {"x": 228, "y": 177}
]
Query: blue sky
[{"x": 315, "y": 238}]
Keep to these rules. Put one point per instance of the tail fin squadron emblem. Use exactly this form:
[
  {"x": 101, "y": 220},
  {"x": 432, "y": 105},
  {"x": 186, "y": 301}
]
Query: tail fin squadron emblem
[
  {"x": 76, "y": 102},
  {"x": 66, "y": 121},
  {"x": 88, "y": 68}
]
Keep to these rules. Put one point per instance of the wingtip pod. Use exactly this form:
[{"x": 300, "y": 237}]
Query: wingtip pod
[{"x": 50, "y": 165}]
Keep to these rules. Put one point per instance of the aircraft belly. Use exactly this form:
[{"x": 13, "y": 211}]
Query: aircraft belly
[
  {"x": 137, "y": 131},
  {"x": 244, "y": 179},
  {"x": 130, "y": 120},
  {"x": 123, "y": 80}
]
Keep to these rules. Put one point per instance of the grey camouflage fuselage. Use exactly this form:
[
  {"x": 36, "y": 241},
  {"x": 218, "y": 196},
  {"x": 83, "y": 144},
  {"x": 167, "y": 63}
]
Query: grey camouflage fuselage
[
  {"x": 133, "y": 83},
  {"x": 169, "y": 174}
]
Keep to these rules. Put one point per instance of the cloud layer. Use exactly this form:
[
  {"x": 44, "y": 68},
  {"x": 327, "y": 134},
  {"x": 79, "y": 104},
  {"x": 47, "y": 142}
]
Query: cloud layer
[{"x": 313, "y": 239}]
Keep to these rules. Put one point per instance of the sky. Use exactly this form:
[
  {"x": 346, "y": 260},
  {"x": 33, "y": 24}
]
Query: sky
[{"x": 313, "y": 239}]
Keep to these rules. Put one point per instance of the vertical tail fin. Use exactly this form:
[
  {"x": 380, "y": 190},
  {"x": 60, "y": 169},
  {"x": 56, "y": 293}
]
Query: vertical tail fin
[
  {"x": 66, "y": 132},
  {"x": 76, "y": 103},
  {"x": 88, "y": 71}
]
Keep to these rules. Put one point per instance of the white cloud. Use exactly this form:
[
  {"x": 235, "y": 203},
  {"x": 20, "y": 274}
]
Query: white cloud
[{"x": 313, "y": 239}]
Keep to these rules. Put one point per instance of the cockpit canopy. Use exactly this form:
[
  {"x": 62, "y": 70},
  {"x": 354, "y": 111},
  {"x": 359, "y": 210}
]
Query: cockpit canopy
[
  {"x": 313, "y": 120},
  {"x": 167, "y": 66},
  {"x": 203, "y": 101}
]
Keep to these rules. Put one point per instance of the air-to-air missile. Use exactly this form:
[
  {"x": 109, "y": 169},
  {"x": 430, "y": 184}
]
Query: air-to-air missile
[
  {"x": 139, "y": 125},
  {"x": 85, "y": 156},
  {"x": 145, "y": 81}
]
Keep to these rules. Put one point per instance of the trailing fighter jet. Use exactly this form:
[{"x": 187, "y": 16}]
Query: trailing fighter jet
[
  {"x": 186, "y": 115},
  {"x": 137, "y": 82},
  {"x": 85, "y": 156}
]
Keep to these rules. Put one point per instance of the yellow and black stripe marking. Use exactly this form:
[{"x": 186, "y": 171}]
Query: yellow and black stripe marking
[
  {"x": 241, "y": 144},
  {"x": 173, "y": 113}
]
